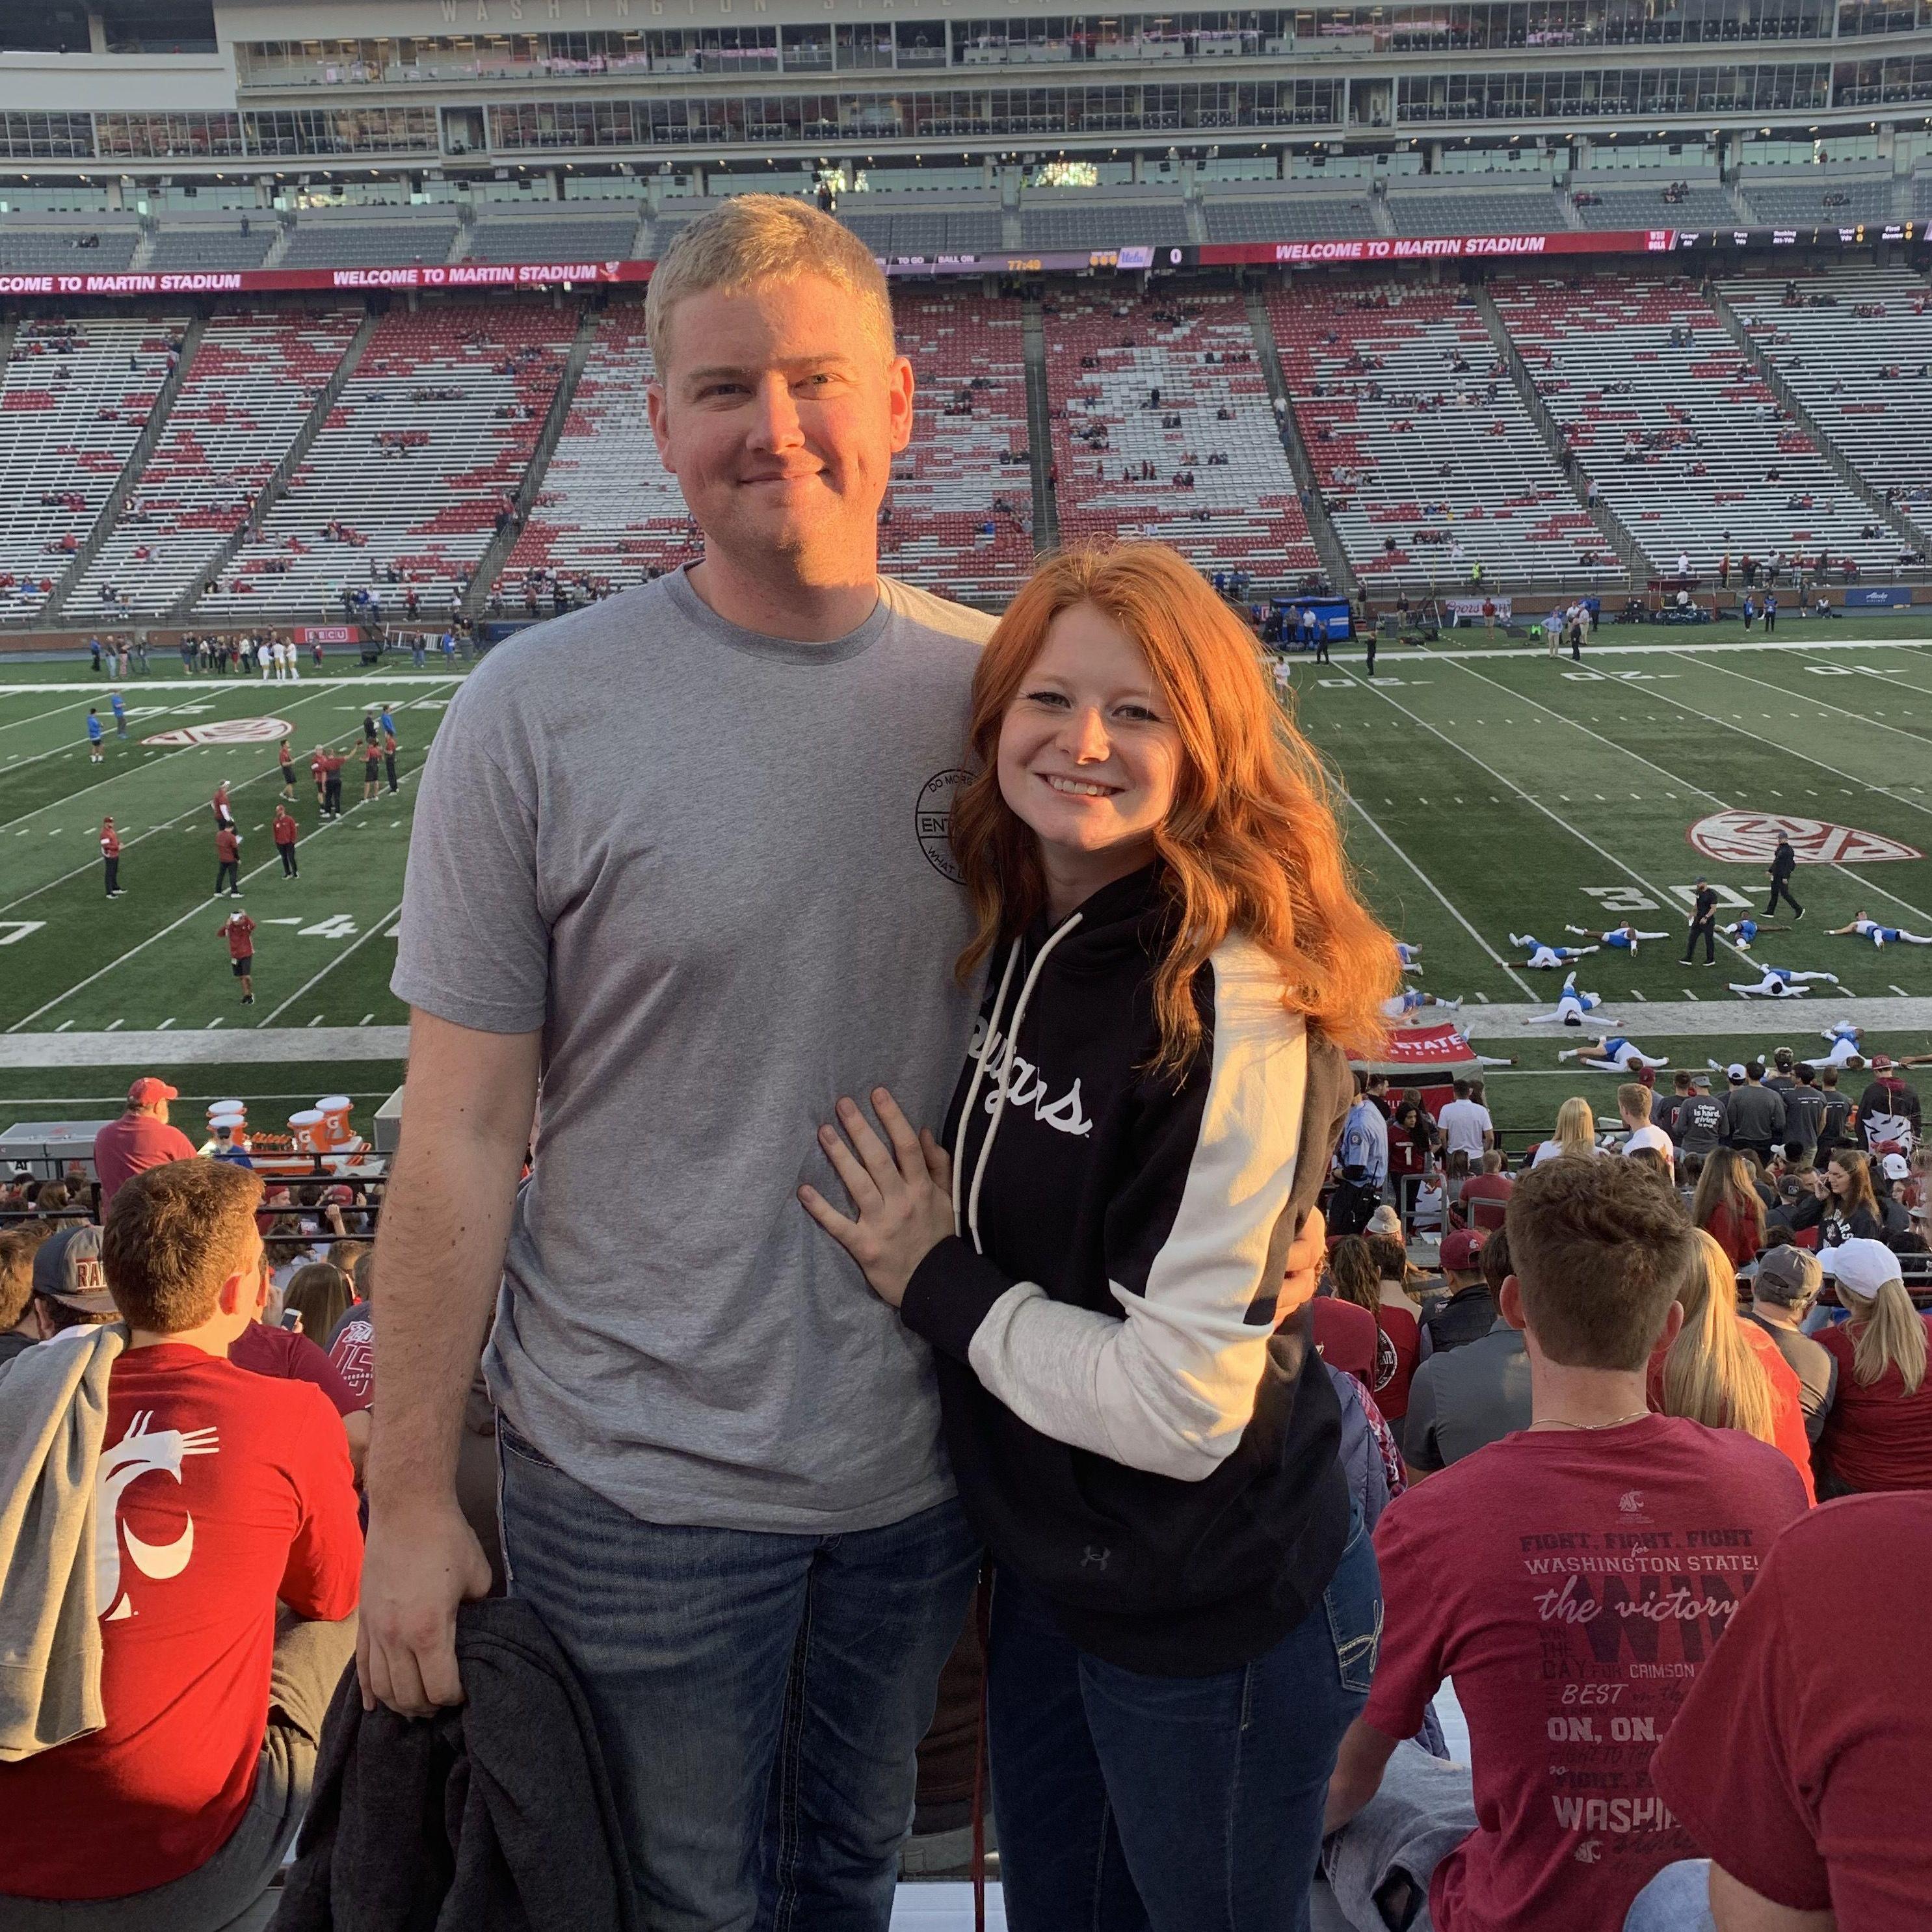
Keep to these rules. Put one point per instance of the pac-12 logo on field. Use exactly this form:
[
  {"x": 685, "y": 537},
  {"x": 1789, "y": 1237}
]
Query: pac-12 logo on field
[
  {"x": 1751, "y": 838},
  {"x": 932, "y": 821},
  {"x": 227, "y": 731}
]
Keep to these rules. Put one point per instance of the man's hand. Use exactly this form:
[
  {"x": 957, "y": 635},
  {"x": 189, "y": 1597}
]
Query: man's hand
[
  {"x": 1306, "y": 1255},
  {"x": 419, "y": 1564}
]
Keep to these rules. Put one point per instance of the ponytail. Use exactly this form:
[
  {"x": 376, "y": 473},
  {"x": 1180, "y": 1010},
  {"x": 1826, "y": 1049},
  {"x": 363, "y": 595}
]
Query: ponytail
[
  {"x": 1712, "y": 1375},
  {"x": 1886, "y": 1333}
]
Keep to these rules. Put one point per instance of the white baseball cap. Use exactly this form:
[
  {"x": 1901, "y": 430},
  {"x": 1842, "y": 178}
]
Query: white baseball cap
[
  {"x": 1735, "y": 1070},
  {"x": 1895, "y": 1167},
  {"x": 1861, "y": 1267}
]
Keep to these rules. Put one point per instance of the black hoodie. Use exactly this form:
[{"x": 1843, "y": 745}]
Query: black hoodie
[{"x": 1129, "y": 1432}]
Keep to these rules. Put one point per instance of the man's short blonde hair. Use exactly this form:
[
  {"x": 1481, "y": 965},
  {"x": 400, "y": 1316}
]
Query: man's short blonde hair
[{"x": 756, "y": 238}]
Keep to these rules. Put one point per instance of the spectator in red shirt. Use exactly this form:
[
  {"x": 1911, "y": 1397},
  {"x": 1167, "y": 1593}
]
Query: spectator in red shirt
[
  {"x": 318, "y": 770},
  {"x": 1572, "y": 1578},
  {"x": 331, "y": 784},
  {"x": 141, "y": 1138},
  {"x": 239, "y": 929},
  {"x": 1726, "y": 1372},
  {"x": 1798, "y": 1761},
  {"x": 1728, "y": 1207},
  {"x": 1356, "y": 1277},
  {"x": 219, "y": 1492},
  {"x": 1879, "y": 1435},
  {"x": 110, "y": 857},
  {"x": 1492, "y": 1186},
  {"x": 228, "y": 861},
  {"x": 224, "y": 819}
]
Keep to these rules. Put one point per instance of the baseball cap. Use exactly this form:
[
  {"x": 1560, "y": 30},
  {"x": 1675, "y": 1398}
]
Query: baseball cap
[
  {"x": 1789, "y": 1273},
  {"x": 1735, "y": 1070},
  {"x": 1881, "y": 1063},
  {"x": 67, "y": 1270},
  {"x": 1896, "y": 1167},
  {"x": 1863, "y": 1266},
  {"x": 148, "y": 1092},
  {"x": 1462, "y": 1251},
  {"x": 341, "y": 1195}
]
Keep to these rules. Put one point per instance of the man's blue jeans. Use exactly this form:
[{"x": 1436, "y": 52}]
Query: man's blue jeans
[
  {"x": 1127, "y": 1803},
  {"x": 760, "y": 1698}
]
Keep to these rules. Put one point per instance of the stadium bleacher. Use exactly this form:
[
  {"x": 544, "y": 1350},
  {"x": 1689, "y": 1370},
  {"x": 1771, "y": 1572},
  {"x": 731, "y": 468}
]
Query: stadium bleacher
[
  {"x": 561, "y": 238},
  {"x": 1421, "y": 446},
  {"x": 1825, "y": 202},
  {"x": 341, "y": 242},
  {"x": 945, "y": 532},
  {"x": 1684, "y": 439},
  {"x": 1693, "y": 205},
  {"x": 89, "y": 247},
  {"x": 608, "y": 511},
  {"x": 74, "y": 397},
  {"x": 1288, "y": 218},
  {"x": 1487, "y": 211},
  {"x": 212, "y": 245},
  {"x": 1106, "y": 357},
  {"x": 253, "y": 379},
  {"x": 420, "y": 458},
  {"x": 1856, "y": 346},
  {"x": 1161, "y": 221}
]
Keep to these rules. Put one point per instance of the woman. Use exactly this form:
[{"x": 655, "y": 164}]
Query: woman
[
  {"x": 1726, "y": 1372},
  {"x": 1575, "y": 1132},
  {"x": 1455, "y": 1172},
  {"x": 1878, "y": 1434},
  {"x": 1726, "y": 1206},
  {"x": 1184, "y": 1614},
  {"x": 1357, "y": 1275},
  {"x": 319, "y": 1292},
  {"x": 1843, "y": 1205}
]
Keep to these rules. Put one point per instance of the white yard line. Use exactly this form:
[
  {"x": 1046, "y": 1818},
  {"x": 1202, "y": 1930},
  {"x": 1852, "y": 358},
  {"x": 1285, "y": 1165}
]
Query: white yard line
[
  {"x": 194, "y": 912},
  {"x": 52, "y": 711},
  {"x": 1583, "y": 838},
  {"x": 357, "y": 947},
  {"x": 1453, "y": 912},
  {"x": 1919, "y": 738}
]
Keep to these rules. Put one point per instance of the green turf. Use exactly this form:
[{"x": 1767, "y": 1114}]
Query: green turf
[{"x": 1491, "y": 794}]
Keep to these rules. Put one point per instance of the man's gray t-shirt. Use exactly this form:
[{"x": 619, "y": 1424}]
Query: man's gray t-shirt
[
  {"x": 712, "y": 867},
  {"x": 1464, "y": 1398}
]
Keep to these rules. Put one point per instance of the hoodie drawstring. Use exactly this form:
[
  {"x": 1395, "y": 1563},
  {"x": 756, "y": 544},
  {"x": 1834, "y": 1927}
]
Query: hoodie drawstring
[{"x": 1002, "y": 1074}]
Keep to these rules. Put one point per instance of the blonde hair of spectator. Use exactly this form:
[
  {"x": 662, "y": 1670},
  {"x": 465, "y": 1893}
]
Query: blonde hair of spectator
[
  {"x": 1711, "y": 1374},
  {"x": 761, "y": 238},
  {"x": 1576, "y": 1126},
  {"x": 1598, "y": 1248},
  {"x": 1726, "y": 1180},
  {"x": 1633, "y": 1102},
  {"x": 1887, "y": 1333},
  {"x": 1355, "y": 1272}
]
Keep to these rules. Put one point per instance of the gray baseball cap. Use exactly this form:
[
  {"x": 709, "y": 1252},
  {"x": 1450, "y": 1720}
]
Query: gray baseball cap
[
  {"x": 67, "y": 1270},
  {"x": 1789, "y": 1274}
]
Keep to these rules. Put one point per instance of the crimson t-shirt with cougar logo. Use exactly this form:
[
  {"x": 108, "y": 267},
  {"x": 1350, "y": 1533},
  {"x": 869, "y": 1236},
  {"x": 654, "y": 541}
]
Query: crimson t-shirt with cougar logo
[
  {"x": 217, "y": 1491},
  {"x": 1573, "y": 1584}
]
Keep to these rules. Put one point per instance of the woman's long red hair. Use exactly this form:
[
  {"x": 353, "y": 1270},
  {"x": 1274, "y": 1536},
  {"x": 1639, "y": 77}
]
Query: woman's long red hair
[{"x": 1252, "y": 845}]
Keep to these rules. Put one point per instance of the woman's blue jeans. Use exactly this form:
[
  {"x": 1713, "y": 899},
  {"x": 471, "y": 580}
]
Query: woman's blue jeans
[{"x": 1127, "y": 1803}]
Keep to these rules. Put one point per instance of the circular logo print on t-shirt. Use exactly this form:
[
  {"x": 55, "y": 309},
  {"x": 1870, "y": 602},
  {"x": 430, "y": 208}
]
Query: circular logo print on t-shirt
[{"x": 932, "y": 817}]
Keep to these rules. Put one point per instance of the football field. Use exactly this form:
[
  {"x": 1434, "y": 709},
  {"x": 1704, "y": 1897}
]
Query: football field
[{"x": 1491, "y": 790}]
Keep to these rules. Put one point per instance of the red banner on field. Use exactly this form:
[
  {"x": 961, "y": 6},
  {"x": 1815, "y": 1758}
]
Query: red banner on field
[
  {"x": 1443, "y": 247},
  {"x": 1410, "y": 1047},
  {"x": 326, "y": 633}
]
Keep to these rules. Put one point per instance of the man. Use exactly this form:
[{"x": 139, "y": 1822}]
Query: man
[
  {"x": 1803, "y": 1116},
  {"x": 283, "y": 831},
  {"x": 1576, "y": 1556},
  {"x": 1548, "y": 958},
  {"x": 224, "y": 816},
  {"x": 288, "y": 765},
  {"x": 1461, "y": 1399},
  {"x": 388, "y": 723},
  {"x": 1466, "y": 1126},
  {"x": 1664, "y": 1108},
  {"x": 119, "y": 705},
  {"x": 372, "y": 772},
  {"x": 1634, "y": 1107},
  {"x": 332, "y": 762},
  {"x": 110, "y": 857},
  {"x": 22, "y": 1323},
  {"x": 1783, "y": 863},
  {"x": 1860, "y": 927},
  {"x": 1889, "y": 1111},
  {"x": 228, "y": 863},
  {"x": 1754, "y": 1115},
  {"x": 1794, "y": 1764},
  {"x": 239, "y": 929},
  {"x": 95, "y": 732},
  {"x": 1780, "y": 982},
  {"x": 218, "y": 1492},
  {"x": 318, "y": 769},
  {"x": 1835, "y": 1115},
  {"x": 1492, "y": 1186},
  {"x": 143, "y": 1137},
  {"x": 1362, "y": 1159},
  {"x": 673, "y": 1499},
  {"x": 1704, "y": 920},
  {"x": 1470, "y": 1309},
  {"x": 1783, "y": 1291}
]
